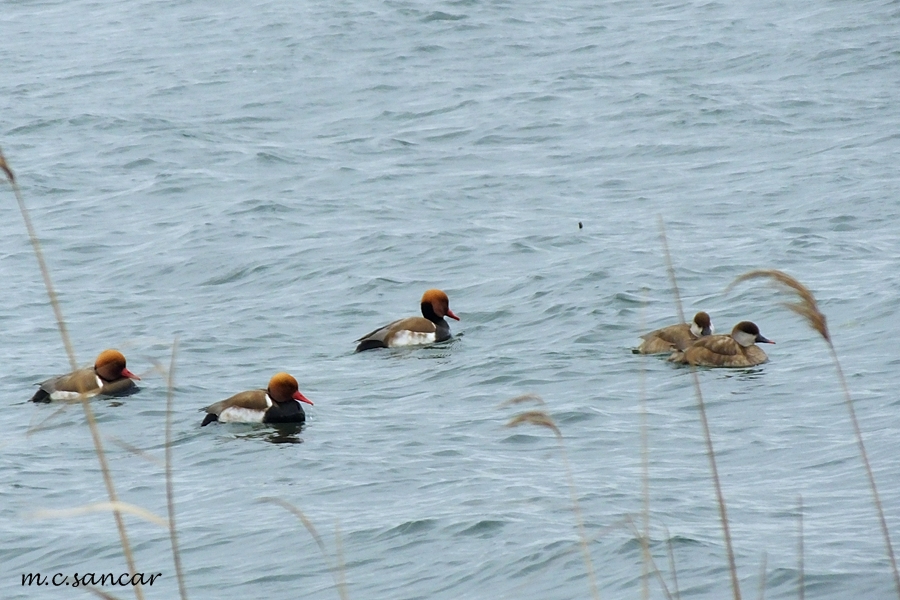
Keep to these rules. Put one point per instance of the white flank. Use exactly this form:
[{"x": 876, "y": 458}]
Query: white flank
[
  {"x": 236, "y": 414},
  {"x": 411, "y": 338},
  {"x": 61, "y": 395}
]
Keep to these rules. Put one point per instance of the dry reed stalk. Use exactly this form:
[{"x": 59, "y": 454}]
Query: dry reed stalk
[
  {"x": 762, "y": 578},
  {"x": 118, "y": 506},
  {"x": 645, "y": 477},
  {"x": 70, "y": 351},
  {"x": 808, "y": 308},
  {"x": 800, "y": 585},
  {"x": 542, "y": 419},
  {"x": 651, "y": 561},
  {"x": 337, "y": 569},
  {"x": 136, "y": 451},
  {"x": 701, "y": 406},
  {"x": 671, "y": 552},
  {"x": 170, "y": 489}
]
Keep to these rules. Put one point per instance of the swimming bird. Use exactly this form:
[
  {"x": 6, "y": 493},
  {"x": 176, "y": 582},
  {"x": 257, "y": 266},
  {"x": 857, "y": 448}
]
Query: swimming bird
[
  {"x": 411, "y": 331},
  {"x": 108, "y": 377},
  {"x": 279, "y": 403},
  {"x": 676, "y": 337},
  {"x": 736, "y": 350}
]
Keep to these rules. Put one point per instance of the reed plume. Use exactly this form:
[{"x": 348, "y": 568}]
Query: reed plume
[{"x": 807, "y": 307}]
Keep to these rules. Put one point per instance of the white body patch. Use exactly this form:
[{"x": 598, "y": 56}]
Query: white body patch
[
  {"x": 239, "y": 414},
  {"x": 236, "y": 414},
  {"x": 61, "y": 395},
  {"x": 406, "y": 337}
]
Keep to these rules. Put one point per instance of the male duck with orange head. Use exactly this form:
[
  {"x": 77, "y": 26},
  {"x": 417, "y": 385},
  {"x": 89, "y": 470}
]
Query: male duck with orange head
[
  {"x": 108, "y": 377},
  {"x": 412, "y": 331},
  {"x": 279, "y": 403}
]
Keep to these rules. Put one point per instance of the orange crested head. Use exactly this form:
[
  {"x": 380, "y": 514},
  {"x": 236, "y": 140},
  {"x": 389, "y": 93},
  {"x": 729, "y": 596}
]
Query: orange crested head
[
  {"x": 110, "y": 366},
  {"x": 439, "y": 303},
  {"x": 283, "y": 388}
]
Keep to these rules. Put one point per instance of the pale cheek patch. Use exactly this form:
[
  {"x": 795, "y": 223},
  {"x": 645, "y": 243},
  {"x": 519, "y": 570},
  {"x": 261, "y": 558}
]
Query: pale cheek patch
[
  {"x": 411, "y": 338},
  {"x": 235, "y": 414},
  {"x": 744, "y": 339}
]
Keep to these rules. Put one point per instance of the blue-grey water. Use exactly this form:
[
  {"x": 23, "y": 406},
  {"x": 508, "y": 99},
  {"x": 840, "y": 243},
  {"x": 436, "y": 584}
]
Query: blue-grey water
[{"x": 265, "y": 182}]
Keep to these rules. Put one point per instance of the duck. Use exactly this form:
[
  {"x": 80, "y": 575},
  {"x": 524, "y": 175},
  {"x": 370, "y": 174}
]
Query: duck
[
  {"x": 108, "y": 377},
  {"x": 736, "y": 350},
  {"x": 279, "y": 403},
  {"x": 676, "y": 337},
  {"x": 413, "y": 331}
]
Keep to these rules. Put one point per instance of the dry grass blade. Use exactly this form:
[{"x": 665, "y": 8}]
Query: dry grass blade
[
  {"x": 652, "y": 562},
  {"x": 707, "y": 436},
  {"x": 762, "y": 578},
  {"x": 808, "y": 308},
  {"x": 645, "y": 477},
  {"x": 117, "y": 507},
  {"x": 9, "y": 174},
  {"x": 337, "y": 571},
  {"x": 70, "y": 351},
  {"x": 45, "y": 272},
  {"x": 526, "y": 583},
  {"x": 44, "y": 422},
  {"x": 135, "y": 450},
  {"x": 170, "y": 488},
  {"x": 542, "y": 419},
  {"x": 800, "y": 584},
  {"x": 670, "y": 269},
  {"x": 339, "y": 554},
  {"x": 671, "y": 552}
]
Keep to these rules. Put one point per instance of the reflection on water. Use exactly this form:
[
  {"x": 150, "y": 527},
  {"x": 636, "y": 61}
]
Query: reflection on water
[{"x": 282, "y": 433}]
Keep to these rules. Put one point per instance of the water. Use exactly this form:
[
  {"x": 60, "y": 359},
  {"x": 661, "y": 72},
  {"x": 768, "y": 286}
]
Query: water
[{"x": 265, "y": 183}]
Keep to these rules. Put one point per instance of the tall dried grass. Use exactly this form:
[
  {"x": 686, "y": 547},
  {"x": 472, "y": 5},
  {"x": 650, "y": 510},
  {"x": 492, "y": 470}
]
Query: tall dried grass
[
  {"x": 807, "y": 307},
  {"x": 540, "y": 418},
  {"x": 701, "y": 409},
  {"x": 116, "y": 506},
  {"x": 336, "y": 568}
]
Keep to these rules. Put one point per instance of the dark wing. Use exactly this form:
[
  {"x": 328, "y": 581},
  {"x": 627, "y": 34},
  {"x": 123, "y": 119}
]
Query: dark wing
[{"x": 380, "y": 333}]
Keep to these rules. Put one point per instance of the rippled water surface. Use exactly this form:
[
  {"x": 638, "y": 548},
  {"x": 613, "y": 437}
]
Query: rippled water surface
[{"x": 265, "y": 182}]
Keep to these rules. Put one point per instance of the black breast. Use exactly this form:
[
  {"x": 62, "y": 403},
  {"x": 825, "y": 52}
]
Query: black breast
[{"x": 285, "y": 412}]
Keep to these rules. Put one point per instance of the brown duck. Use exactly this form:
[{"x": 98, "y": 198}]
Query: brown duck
[
  {"x": 676, "y": 337},
  {"x": 736, "y": 350}
]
